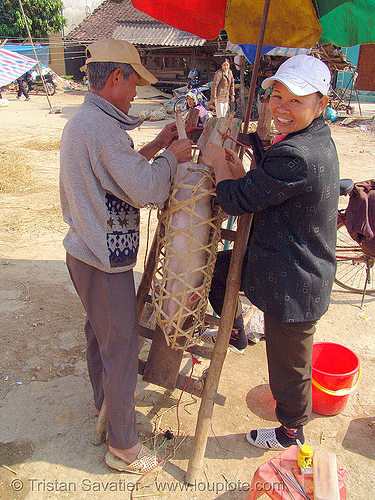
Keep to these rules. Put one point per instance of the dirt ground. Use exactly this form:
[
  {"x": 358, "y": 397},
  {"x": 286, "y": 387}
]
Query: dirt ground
[{"x": 46, "y": 410}]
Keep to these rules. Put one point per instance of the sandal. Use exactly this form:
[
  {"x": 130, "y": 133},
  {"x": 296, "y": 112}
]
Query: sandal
[{"x": 145, "y": 462}]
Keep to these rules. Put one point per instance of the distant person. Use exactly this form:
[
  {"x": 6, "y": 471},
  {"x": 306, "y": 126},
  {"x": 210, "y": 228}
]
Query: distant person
[
  {"x": 222, "y": 89},
  {"x": 21, "y": 88},
  {"x": 193, "y": 102}
]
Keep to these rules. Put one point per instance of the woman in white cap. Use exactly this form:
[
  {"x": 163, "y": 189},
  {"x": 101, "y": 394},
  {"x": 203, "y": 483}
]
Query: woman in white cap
[{"x": 290, "y": 262}]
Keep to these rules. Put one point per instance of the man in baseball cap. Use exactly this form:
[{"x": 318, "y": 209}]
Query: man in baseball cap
[
  {"x": 104, "y": 182},
  {"x": 119, "y": 51}
]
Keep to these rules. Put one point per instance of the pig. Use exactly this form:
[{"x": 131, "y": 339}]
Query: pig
[{"x": 186, "y": 255}]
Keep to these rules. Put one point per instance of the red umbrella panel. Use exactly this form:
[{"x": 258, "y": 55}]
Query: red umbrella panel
[{"x": 290, "y": 23}]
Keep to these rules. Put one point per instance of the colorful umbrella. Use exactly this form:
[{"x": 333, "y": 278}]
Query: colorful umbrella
[{"x": 290, "y": 23}]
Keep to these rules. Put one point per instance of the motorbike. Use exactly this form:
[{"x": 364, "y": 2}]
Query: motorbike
[
  {"x": 37, "y": 84},
  {"x": 197, "y": 86}
]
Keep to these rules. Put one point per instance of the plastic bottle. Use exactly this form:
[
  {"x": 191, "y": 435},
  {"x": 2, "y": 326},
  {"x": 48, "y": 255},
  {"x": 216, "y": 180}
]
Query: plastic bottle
[
  {"x": 305, "y": 459},
  {"x": 326, "y": 482}
]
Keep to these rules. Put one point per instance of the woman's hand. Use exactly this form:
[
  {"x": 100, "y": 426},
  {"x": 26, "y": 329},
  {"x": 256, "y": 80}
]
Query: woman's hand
[
  {"x": 213, "y": 155},
  {"x": 234, "y": 163}
]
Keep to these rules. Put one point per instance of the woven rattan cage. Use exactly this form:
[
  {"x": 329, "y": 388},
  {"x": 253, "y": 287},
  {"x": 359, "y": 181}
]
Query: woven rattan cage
[
  {"x": 189, "y": 306},
  {"x": 180, "y": 293}
]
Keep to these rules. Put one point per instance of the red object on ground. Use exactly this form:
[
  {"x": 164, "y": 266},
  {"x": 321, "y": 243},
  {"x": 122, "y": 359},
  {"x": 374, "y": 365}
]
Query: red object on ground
[
  {"x": 267, "y": 481},
  {"x": 334, "y": 367}
]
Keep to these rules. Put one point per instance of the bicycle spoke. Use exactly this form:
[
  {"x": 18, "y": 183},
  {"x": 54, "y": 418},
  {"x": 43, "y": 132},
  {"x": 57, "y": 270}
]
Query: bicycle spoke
[{"x": 353, "y": 267}]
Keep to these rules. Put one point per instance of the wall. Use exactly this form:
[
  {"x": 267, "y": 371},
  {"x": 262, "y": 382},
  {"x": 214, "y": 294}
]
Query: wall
[
  {"x": 343, "y": 77},
  {"x": 76, "y": 11},
  {"x": 56, "y": 53}
]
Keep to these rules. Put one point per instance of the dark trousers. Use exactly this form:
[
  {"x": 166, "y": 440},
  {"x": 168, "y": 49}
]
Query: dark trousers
[
  {"x": 112, "y": 345},
  {"x": 218, "y": 283},
  {"x": 289, "y": 353},
  {"x": 21, "y": 89}
]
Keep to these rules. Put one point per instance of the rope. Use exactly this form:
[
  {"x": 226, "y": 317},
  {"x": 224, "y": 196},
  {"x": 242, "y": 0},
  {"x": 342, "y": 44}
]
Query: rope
[
  {"x": 194, "y": 362},
  {"x": 225, "y": 136}
]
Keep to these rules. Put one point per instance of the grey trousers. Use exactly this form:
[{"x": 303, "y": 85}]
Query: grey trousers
[{"x": 112, "y": 345}]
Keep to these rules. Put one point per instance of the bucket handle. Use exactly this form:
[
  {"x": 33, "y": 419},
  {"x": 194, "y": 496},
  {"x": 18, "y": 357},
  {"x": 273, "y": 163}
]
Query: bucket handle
[{"x": 339, "y": 392}]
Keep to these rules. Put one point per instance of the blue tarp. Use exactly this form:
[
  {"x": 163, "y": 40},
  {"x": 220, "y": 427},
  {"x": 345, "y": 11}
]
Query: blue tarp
[
  {"x": 249, "y": 51},
  {"x": 42, "y": 52}
]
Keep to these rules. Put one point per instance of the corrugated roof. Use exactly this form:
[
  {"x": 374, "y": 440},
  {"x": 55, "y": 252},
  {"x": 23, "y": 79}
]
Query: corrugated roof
[
  {"x": 164, "y": 35},
  {"x": 123, "y": 21},
  {"x": 104, "y": 20}
]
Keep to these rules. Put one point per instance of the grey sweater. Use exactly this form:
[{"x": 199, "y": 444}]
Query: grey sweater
[{"x": 104, "y": 182}]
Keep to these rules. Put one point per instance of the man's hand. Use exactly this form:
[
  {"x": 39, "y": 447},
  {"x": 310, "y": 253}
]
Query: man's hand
[
  {"x": 181, "y": 149},
  {"x": 167, "y": 135},
  {"x": 161, "y": 141}
]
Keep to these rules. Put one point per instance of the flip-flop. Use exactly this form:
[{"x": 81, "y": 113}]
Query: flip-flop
[{"x": 145, "y": 461}]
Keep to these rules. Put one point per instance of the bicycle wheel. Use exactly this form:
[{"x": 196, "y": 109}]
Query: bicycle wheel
[
  {"x": 51, "y": 89},
  {"x": 353, "y": 264}
]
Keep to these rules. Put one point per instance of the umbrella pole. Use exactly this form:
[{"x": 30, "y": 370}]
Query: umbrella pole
[
  {"x": 230, "y": 302},
  {"x": 256, "y": 65}
]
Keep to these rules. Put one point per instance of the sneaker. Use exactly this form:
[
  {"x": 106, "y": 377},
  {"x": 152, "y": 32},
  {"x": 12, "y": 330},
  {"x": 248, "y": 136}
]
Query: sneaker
[{"x": 276, "y": 438}]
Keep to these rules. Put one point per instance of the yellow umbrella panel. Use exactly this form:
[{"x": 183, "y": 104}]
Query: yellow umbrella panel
[{"x": 290, "y": 23}]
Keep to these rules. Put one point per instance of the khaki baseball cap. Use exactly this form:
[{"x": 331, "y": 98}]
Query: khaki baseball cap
[
  {"x": 302, "y": 75},
  {"x": 119, "y": 51}
]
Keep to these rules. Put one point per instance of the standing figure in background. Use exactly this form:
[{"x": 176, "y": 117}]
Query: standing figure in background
[
  {"x": 21, "y": 88},
  {"x": 222, "y": 89}
]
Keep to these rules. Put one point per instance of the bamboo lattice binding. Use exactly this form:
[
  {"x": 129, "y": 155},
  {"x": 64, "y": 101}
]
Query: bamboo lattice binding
[{"x": 189, "y": 235}]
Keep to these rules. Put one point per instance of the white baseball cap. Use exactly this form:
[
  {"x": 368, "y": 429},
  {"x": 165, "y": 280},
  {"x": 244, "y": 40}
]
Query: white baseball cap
[
  {"x": 302, "y": 75},
  {"x": 119, "y": 51}
]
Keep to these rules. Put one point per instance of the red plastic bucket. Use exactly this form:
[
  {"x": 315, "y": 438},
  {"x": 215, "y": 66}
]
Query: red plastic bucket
[{"x": 334, "y": 367}]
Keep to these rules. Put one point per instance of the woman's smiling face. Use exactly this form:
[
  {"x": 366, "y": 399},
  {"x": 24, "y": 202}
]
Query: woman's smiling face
[{"x": 292, "y": 113}]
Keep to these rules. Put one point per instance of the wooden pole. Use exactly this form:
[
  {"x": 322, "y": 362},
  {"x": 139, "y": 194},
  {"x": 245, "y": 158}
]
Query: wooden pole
[
  {"x": 242, "y": 86},
  {"x": 230, "y": 302},
  {"x": 36, "y": 57}
]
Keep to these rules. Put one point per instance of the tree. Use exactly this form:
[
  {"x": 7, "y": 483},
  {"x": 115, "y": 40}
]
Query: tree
[{"x": 43, "y": 17}]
